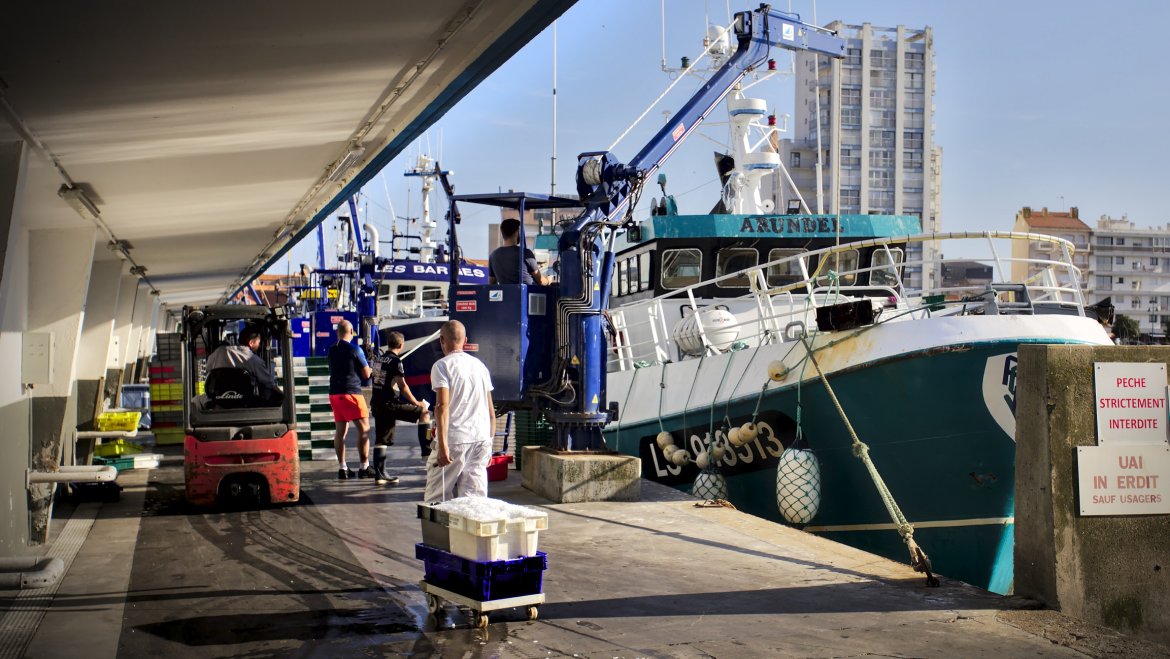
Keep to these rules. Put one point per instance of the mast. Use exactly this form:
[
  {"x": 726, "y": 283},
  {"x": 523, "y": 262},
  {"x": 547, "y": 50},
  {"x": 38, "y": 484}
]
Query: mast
[{"x": 424, "y": 168}]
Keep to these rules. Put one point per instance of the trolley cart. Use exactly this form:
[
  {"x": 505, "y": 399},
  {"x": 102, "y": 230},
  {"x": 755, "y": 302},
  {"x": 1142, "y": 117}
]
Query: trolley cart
[
  {"x": 481, "y": 586},
  {"x": 479, "y": 608}
]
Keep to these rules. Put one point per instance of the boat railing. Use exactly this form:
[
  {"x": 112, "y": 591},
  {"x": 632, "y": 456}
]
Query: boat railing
[{"x": 769, "y": 313}]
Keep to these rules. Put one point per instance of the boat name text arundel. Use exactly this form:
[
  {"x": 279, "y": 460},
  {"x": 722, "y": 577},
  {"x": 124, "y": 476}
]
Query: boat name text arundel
[{"x": 782, "y": 225}]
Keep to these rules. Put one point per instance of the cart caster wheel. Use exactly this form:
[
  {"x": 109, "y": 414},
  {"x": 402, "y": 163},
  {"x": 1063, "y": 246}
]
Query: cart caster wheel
[
  {"x": 434, "y": 606},
  {"x": 533, "y": 613},
  {"x": 482, "y": 622}
]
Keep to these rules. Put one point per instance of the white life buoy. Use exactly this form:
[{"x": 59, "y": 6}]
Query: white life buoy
[{"x": 720, "y": 326}]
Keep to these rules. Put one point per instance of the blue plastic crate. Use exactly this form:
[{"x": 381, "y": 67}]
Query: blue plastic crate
[
  {"x": 137, "y": 397},
  {"x": 483, "y": 581}
]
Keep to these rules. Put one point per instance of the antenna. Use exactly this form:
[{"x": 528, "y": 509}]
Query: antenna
[
  {"x": 663, "y": 35},
  {"x": 553, "y": 177}
]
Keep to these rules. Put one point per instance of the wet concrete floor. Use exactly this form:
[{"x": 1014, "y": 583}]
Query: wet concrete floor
[{"x": 336, "y": 576}]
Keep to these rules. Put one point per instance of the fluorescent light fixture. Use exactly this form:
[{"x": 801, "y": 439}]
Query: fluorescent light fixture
[
  {"x": 77, "y": 200},
  {"x": 347, "y": 161}
]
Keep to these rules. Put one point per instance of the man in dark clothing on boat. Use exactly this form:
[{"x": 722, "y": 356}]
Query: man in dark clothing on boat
[
  {"x": 504, "y": 261},
  {"x": 392, "y": 400}
]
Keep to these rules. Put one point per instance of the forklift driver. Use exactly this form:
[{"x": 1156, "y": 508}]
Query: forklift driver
[{"x": 243, "y": 356}]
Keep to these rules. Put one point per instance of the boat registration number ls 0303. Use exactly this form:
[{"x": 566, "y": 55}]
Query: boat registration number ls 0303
[{"x": 774, "y": 432}]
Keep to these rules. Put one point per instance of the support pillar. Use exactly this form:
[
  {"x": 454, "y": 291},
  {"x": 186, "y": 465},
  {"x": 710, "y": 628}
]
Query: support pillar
[
  {"x": 97, "y": 333},
  {"x": 140, "y": 322},
  {"x": 128, "y": 292},
  {"x": 15, "y": 399},
  {"x": 60, "y": 261}
]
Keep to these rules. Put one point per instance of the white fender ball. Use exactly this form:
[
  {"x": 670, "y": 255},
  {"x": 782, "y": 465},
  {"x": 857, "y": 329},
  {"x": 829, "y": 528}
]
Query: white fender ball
[
  {"x": 748, "y": 432},
  {"x": 664, "y": 439},
  {"x": 776, "y": 371}
]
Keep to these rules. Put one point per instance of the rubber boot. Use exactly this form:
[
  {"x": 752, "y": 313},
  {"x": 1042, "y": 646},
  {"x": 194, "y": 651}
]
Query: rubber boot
[
  {"x": 379, "y": 465},
  {"x": 424, "y": 438}
]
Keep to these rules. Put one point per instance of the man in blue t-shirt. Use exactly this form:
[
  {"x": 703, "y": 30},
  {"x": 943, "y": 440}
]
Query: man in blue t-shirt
[
  {"x": 347, "y": 369},
  {"x": 504, "y": 261}
]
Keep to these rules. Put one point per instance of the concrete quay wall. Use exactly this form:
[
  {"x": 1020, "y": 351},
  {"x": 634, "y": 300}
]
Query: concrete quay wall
[{"x": 1112, "y": 570}]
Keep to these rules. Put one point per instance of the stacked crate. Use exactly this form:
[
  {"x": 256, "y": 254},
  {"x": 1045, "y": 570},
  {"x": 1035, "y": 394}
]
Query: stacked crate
[
  {"x": 483, "y": 549},
  {"x": 314, "y": 416},
  {"x": 166, "y": 390}
]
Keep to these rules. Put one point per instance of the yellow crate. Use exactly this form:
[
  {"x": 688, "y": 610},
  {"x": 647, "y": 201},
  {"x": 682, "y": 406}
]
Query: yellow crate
[
  {"x": 118, "y": 421},
  {"x": 116, "y": 447}
]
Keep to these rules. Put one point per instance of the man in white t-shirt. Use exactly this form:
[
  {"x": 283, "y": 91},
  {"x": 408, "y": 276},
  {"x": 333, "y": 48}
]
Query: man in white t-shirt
[{"x": 464, "y": 421}]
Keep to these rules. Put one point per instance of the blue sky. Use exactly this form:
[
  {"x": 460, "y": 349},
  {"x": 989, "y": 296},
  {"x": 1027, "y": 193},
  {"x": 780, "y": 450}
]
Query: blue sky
[{"x": 1037, "y": 104}]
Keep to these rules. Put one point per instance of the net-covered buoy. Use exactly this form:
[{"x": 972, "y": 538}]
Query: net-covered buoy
[
  {"x": 710, "y": 485},
  {"x": 798, "y": 485}
]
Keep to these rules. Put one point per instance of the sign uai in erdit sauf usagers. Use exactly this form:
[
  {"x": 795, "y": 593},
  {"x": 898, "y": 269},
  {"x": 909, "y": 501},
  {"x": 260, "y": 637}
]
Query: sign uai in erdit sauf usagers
[{"x": 1128, "y": 472}]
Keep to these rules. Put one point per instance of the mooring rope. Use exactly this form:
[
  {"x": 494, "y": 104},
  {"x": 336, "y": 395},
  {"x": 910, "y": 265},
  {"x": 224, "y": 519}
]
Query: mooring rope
[{"x": 918, "y": 558}]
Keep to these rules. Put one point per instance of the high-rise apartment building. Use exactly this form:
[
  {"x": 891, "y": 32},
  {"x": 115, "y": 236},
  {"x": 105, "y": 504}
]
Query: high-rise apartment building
[
  {"x": 1132, "y": 266},
  {"x": 876, "y": 134}
]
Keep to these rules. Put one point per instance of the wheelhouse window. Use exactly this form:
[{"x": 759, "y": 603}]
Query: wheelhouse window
[
  {"x": 734, "y": 259},
  {"x": 887, "y": 267},
  {"x": 432, "y": 301},
  {"x": 644, "y": 271},
  {"x": 681, "y": 267},
  {"x": 623, "y": 287},
  {"x": 405, "y": 300},
  {"x": 788, "y": 272},
  {"x": 844, "y": 264}
]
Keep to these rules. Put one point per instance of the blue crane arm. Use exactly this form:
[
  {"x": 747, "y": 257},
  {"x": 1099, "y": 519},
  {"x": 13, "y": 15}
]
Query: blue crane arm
[{"x": 606, "y": 182}]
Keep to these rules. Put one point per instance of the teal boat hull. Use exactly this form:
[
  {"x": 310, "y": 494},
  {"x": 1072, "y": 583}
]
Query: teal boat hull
[{"x": 946, "y": 460}]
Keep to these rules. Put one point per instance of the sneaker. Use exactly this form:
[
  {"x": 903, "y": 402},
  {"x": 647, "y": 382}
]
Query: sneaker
[
  {"x": 368, "y": 472},
  {"x": 343, "y": 474},
  {"x": 385, "y": 479}
]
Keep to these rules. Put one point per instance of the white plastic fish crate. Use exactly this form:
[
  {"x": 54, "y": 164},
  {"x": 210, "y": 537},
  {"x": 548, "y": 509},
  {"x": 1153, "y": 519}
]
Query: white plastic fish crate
[{"x": 491, "y": 531}]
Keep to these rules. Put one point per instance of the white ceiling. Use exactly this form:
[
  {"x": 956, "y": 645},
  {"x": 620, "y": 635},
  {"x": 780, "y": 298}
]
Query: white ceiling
[{"x": 202, "y": 129}]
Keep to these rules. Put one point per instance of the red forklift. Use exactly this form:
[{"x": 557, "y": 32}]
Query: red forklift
[{"x": 241, "y": 444}]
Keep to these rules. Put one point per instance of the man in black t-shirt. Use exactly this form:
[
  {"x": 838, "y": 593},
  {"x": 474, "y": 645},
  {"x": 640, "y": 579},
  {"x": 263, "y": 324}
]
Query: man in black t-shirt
[
  {"x": 504, "y": 261},
  {"x": 392, "y": 401}
]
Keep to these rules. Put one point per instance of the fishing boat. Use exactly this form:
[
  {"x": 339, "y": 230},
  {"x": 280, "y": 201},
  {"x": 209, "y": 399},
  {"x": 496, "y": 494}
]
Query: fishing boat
[
  {"x": 738, "y": 336},
  {"x": 412, "y": 286},
  {"x": 404, "y": 291},
  {"x": 804, "y": 368}
]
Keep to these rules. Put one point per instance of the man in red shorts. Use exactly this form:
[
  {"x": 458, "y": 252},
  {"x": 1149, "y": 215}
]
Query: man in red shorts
[{"x": 347, "y": 369}]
